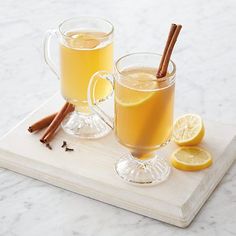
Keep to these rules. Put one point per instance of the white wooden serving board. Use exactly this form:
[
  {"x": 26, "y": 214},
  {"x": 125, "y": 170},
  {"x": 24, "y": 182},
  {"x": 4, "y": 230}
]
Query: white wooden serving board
[{"x": 89, "y": 170}]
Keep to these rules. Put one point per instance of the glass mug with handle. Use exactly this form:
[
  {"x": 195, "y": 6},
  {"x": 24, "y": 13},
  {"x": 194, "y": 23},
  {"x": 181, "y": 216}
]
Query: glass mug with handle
[
  {"x": 86, "y": 46},
  {"x": 143, "y": 116}
]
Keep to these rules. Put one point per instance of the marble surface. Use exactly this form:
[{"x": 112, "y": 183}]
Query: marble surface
[{"x": 205, "y": 57}]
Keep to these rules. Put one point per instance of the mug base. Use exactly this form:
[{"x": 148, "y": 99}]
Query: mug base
[
  {"x": 85, "y": 126},
  {"x": 142, "y": 172}
]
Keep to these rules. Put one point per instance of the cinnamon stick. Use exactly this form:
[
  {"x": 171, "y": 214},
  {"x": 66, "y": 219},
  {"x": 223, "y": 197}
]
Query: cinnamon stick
[
  {"x": 55, "y": 120},
  {"x": 174, "y": 31},
  {"x": 43, "y": 123},
  {"x": 171, "y": 33},
  {"x": 49, "y": 133}
]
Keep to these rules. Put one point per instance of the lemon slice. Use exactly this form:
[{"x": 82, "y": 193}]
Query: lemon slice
[
  {"x": 84, "y": 40},
  {"x": 188, "y": 130},
  {"x": 135, "y": 89},
  {"x": 191, "y": 158}
]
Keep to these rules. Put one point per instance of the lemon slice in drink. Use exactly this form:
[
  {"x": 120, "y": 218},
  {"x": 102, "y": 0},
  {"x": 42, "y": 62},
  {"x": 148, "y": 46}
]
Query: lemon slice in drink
[
  {"x": 191, "y": 158},
  {"x": 135, "y": 89},
  {"x": 188, "y": 130},
  {"x": 84, "y": 41}
]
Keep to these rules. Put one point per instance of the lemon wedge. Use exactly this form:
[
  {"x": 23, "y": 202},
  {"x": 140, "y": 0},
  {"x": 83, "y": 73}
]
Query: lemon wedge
[
  {"x": 188, "y": 130},
  {"x": 191, "y": 158}
]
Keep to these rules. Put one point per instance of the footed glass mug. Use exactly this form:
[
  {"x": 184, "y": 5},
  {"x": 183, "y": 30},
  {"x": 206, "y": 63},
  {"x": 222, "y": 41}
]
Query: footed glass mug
[
  {"x": 86, "y": 46},
  {"x": 143, "y": 116}
]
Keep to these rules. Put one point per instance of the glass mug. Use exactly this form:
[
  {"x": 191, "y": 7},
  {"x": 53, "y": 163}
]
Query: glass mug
[
  {"x": 143, "y": 116},
  {"x": 86, "y": 46}
]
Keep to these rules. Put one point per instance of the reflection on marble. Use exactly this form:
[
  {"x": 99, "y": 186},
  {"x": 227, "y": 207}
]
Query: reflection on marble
[{"x": 205, "y": 56}]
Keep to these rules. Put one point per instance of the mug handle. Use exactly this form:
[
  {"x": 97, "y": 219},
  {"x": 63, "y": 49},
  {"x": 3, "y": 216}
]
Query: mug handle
[
  {"x": 92, "y": 102},
  {"x": 47, "y": 51}
]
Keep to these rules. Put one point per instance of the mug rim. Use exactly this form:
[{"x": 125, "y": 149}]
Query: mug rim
[
  {"x": 171, "y": 74},
  {"x": 88, "y": 17}
]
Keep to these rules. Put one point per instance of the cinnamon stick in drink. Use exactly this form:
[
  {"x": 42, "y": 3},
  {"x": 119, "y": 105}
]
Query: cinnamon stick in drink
[
  {"x": 170, "y": 43},
  {"x": 170, "y": 50},
  {"x": 171, "y": 33}
]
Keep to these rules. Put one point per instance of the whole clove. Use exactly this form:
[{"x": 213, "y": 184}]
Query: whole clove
[
  {"x": 69, "y": 149},
  {"x": 64, "y": 144},
  {"x": 49, "y": 146}
]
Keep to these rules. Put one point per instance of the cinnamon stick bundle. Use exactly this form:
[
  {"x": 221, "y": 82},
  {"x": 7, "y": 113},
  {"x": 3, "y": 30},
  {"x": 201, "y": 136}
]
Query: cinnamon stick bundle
[
  {"x": 49, "y": 133},
  {"x": 52, "y": 122},
  {"x": 170, "y": 43}
]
